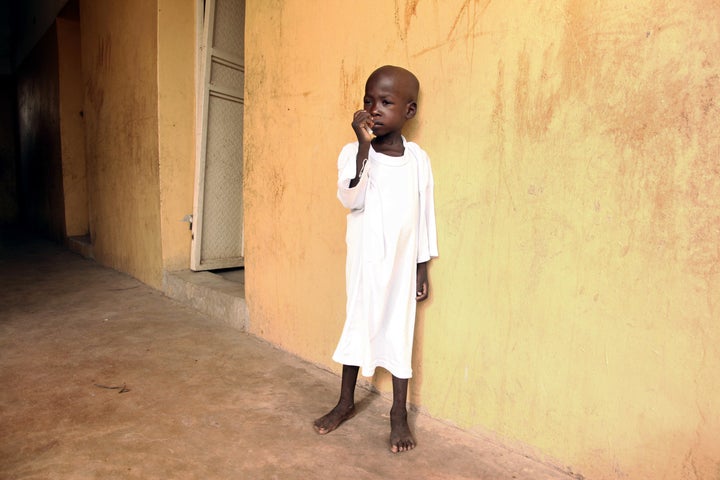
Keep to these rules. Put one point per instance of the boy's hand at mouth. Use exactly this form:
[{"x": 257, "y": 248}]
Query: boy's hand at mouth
[{"x": 362, "y": 125}]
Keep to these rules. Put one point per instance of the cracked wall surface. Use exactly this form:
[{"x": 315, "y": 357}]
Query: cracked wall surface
[{"x": 574, "y": 306}]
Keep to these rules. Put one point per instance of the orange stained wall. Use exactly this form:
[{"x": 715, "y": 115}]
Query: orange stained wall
[
  {"x": 119, "y": 52},
  {"x": 72, "y": 134},
  {"x": 138, "y": 61},
  {"x": 575, "y": 304},
  {"x": 176, "y": 59}
]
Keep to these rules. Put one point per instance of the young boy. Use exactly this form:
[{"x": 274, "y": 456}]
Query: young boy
[{"x": 387, "y": 184}]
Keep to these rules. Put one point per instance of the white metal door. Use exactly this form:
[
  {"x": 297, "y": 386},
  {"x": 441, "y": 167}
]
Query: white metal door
[{"x": 218, "y": 207}]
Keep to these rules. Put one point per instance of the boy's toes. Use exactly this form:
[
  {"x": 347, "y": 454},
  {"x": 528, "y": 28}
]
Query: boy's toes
[
  {"x": 402, "y": 446},
  {"x": 320, "y": 428},
  {"x": 333, "y": 419},
  {"x": 401, "y": 439}
]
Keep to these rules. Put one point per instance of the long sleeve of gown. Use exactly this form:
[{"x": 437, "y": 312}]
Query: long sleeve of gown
[
  {"x": 427, "y": 230},
  {"x": 351, "y": 198}
]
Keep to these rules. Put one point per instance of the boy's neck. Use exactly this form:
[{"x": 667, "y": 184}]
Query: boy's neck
[{"x": 390, "y": 144}]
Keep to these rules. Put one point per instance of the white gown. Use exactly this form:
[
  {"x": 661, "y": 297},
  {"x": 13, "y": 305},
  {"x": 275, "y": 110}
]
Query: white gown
[{"x": 390, "y": 229}]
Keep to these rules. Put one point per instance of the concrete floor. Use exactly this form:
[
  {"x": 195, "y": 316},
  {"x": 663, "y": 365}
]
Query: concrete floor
[{"x": 104, "y": 377}]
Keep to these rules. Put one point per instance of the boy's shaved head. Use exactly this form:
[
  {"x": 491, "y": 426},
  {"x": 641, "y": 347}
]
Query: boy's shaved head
[{"x": 405, "y": 80}]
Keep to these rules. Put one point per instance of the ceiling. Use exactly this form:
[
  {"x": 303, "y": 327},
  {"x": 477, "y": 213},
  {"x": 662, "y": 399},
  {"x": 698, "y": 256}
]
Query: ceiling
[
  {"x": 5, "y": 36},
  {"x": 22, "y": 25}
]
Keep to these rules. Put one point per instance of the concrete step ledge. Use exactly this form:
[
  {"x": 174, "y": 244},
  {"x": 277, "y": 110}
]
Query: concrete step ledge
[
  {"x": 81, "y": 245},
  {"x": 210, "y": 294}
]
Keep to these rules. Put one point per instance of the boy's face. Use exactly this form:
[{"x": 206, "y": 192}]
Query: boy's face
[{"x": 389, "y": 101}]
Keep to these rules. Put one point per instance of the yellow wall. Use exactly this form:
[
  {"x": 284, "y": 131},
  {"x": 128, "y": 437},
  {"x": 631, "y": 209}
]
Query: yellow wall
[
  {"x": 176, "y": 122},
  {"x": 72, "y": 135},
  {"x": 575, "y": 304},
  {"x": 139, "y": 71},
  {"x": 40, "y": 182},
  {"x": 8, "y": 151},
  {"x": 119, "y": 59}
]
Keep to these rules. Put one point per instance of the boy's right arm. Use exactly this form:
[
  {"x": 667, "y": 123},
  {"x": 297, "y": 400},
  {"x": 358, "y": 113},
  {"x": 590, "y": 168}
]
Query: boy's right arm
[{"x": 362, "y": 125}]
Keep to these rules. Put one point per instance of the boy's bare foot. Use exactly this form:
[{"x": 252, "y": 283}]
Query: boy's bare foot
[
  {"x": 333, "y": 419},
  {"x": 401, "y": 438}
]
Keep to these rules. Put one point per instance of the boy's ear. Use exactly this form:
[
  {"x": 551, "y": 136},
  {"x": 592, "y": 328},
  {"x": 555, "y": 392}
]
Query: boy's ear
[{"x": 411, "y": 110}]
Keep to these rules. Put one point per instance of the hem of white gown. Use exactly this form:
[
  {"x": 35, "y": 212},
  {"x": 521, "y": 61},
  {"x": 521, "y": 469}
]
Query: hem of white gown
[{"x": 369, "y": 370}]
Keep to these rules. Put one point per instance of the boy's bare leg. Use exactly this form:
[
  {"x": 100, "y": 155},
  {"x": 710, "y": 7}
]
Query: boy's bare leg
[
  {"x": 401, "y": 438},
  {"x": 345, "y": 408}
]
